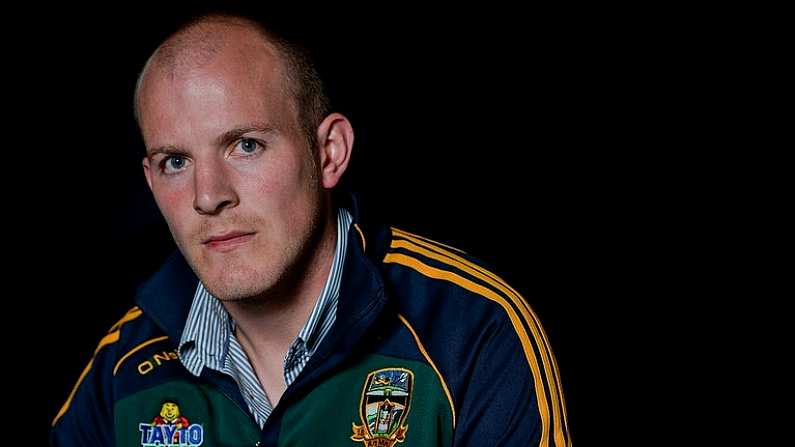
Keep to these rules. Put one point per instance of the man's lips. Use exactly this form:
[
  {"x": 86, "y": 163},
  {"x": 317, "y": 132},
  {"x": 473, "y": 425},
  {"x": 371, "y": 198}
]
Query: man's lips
[{"x": 228, "y": 241}]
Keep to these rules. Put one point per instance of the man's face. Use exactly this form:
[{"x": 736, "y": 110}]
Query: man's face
[{"x": 235, "y": 182}]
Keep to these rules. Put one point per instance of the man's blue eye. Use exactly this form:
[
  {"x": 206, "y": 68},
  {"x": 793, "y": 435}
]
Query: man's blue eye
[
  {"x": 176, "y": 162},
  {"x": 248, "y": 145}
]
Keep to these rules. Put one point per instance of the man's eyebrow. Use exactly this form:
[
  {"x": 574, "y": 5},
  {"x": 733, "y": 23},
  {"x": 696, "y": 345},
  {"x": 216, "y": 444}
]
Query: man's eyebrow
[
  {"x": 234, "y": 134},
  {"x": 169, "y": 150}
]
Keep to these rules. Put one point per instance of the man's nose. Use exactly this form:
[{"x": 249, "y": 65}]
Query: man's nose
[{"x": 213, "y": 188}]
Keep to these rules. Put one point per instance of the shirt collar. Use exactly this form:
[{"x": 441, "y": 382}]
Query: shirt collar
[
  {"x": 325, "y": 309},
  {"x": 205, "y": 339}
]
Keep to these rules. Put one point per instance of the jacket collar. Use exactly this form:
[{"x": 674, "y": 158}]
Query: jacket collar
[{"x": 168, "y": 294}]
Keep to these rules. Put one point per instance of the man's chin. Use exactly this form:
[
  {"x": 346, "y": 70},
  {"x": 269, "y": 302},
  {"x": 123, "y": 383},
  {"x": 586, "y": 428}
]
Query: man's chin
[
  {"x": 228, "y": 290},
  {"x": 231, "y": 289}
]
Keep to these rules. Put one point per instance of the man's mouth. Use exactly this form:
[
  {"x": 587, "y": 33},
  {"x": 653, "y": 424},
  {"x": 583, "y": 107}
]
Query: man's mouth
[{"x": 228, "y": 241}]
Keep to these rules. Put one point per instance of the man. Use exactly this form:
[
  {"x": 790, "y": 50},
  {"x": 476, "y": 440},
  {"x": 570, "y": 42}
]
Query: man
[{"x": 286, "y": 318}]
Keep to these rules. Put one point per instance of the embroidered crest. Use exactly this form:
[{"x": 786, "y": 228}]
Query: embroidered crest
[
  {"x": 171, "y": 428},
  {"x": 383, "y": 408}
]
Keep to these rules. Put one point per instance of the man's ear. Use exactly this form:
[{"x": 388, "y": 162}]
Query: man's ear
[
  {"x": 335, "y": 142},
  {"x": 147, "y": 172}
]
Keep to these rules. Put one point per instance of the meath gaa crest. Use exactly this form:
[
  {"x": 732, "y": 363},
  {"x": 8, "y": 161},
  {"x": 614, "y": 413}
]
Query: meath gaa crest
[{"x": 384, "y": 406}]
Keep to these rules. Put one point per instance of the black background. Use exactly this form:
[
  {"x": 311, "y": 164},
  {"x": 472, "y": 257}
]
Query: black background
[{"x": 529, "y": 138}]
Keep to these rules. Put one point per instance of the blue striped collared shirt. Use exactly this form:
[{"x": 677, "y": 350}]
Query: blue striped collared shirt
[{"x": 208, "y": 340}]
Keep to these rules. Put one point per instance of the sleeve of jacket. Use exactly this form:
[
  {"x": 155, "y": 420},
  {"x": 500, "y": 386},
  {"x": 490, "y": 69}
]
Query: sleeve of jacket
[
  {"x": 86, "y": 418},
  {"x": 507, "y": 399}
]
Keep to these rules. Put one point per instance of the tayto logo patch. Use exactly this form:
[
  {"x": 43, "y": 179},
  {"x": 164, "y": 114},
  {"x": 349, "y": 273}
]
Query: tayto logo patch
[
  {"x": 171, "y": 428},
  {"x": 383, "y": 408}
]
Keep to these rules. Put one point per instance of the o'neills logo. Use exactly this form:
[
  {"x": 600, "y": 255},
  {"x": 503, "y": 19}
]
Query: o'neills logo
[
  {"x": 384, "y": 407},
  {"x": 171, "y": 429}
]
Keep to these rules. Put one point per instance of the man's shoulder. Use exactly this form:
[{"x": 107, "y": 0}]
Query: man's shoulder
[
  {"x": 129, "y": 335},
  {"x": 436, "y": 280}
]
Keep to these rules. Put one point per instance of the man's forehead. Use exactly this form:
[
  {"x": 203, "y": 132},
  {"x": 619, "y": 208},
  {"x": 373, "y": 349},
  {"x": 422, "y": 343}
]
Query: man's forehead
[
  {"x": 239, "y": 68},
  {"x": 225, "y": 86},
  {"x": 204, "y": 43}
]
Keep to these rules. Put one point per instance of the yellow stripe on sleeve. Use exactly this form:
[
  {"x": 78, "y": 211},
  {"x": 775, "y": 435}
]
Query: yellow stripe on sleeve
[
  {"x": 131, "y": 314},
  {"x": 108, "y": 339},
  {"x": 561, "y": 432},
  {"x": 550, "y": 365},
  {"x": 432, "y": 272}
]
